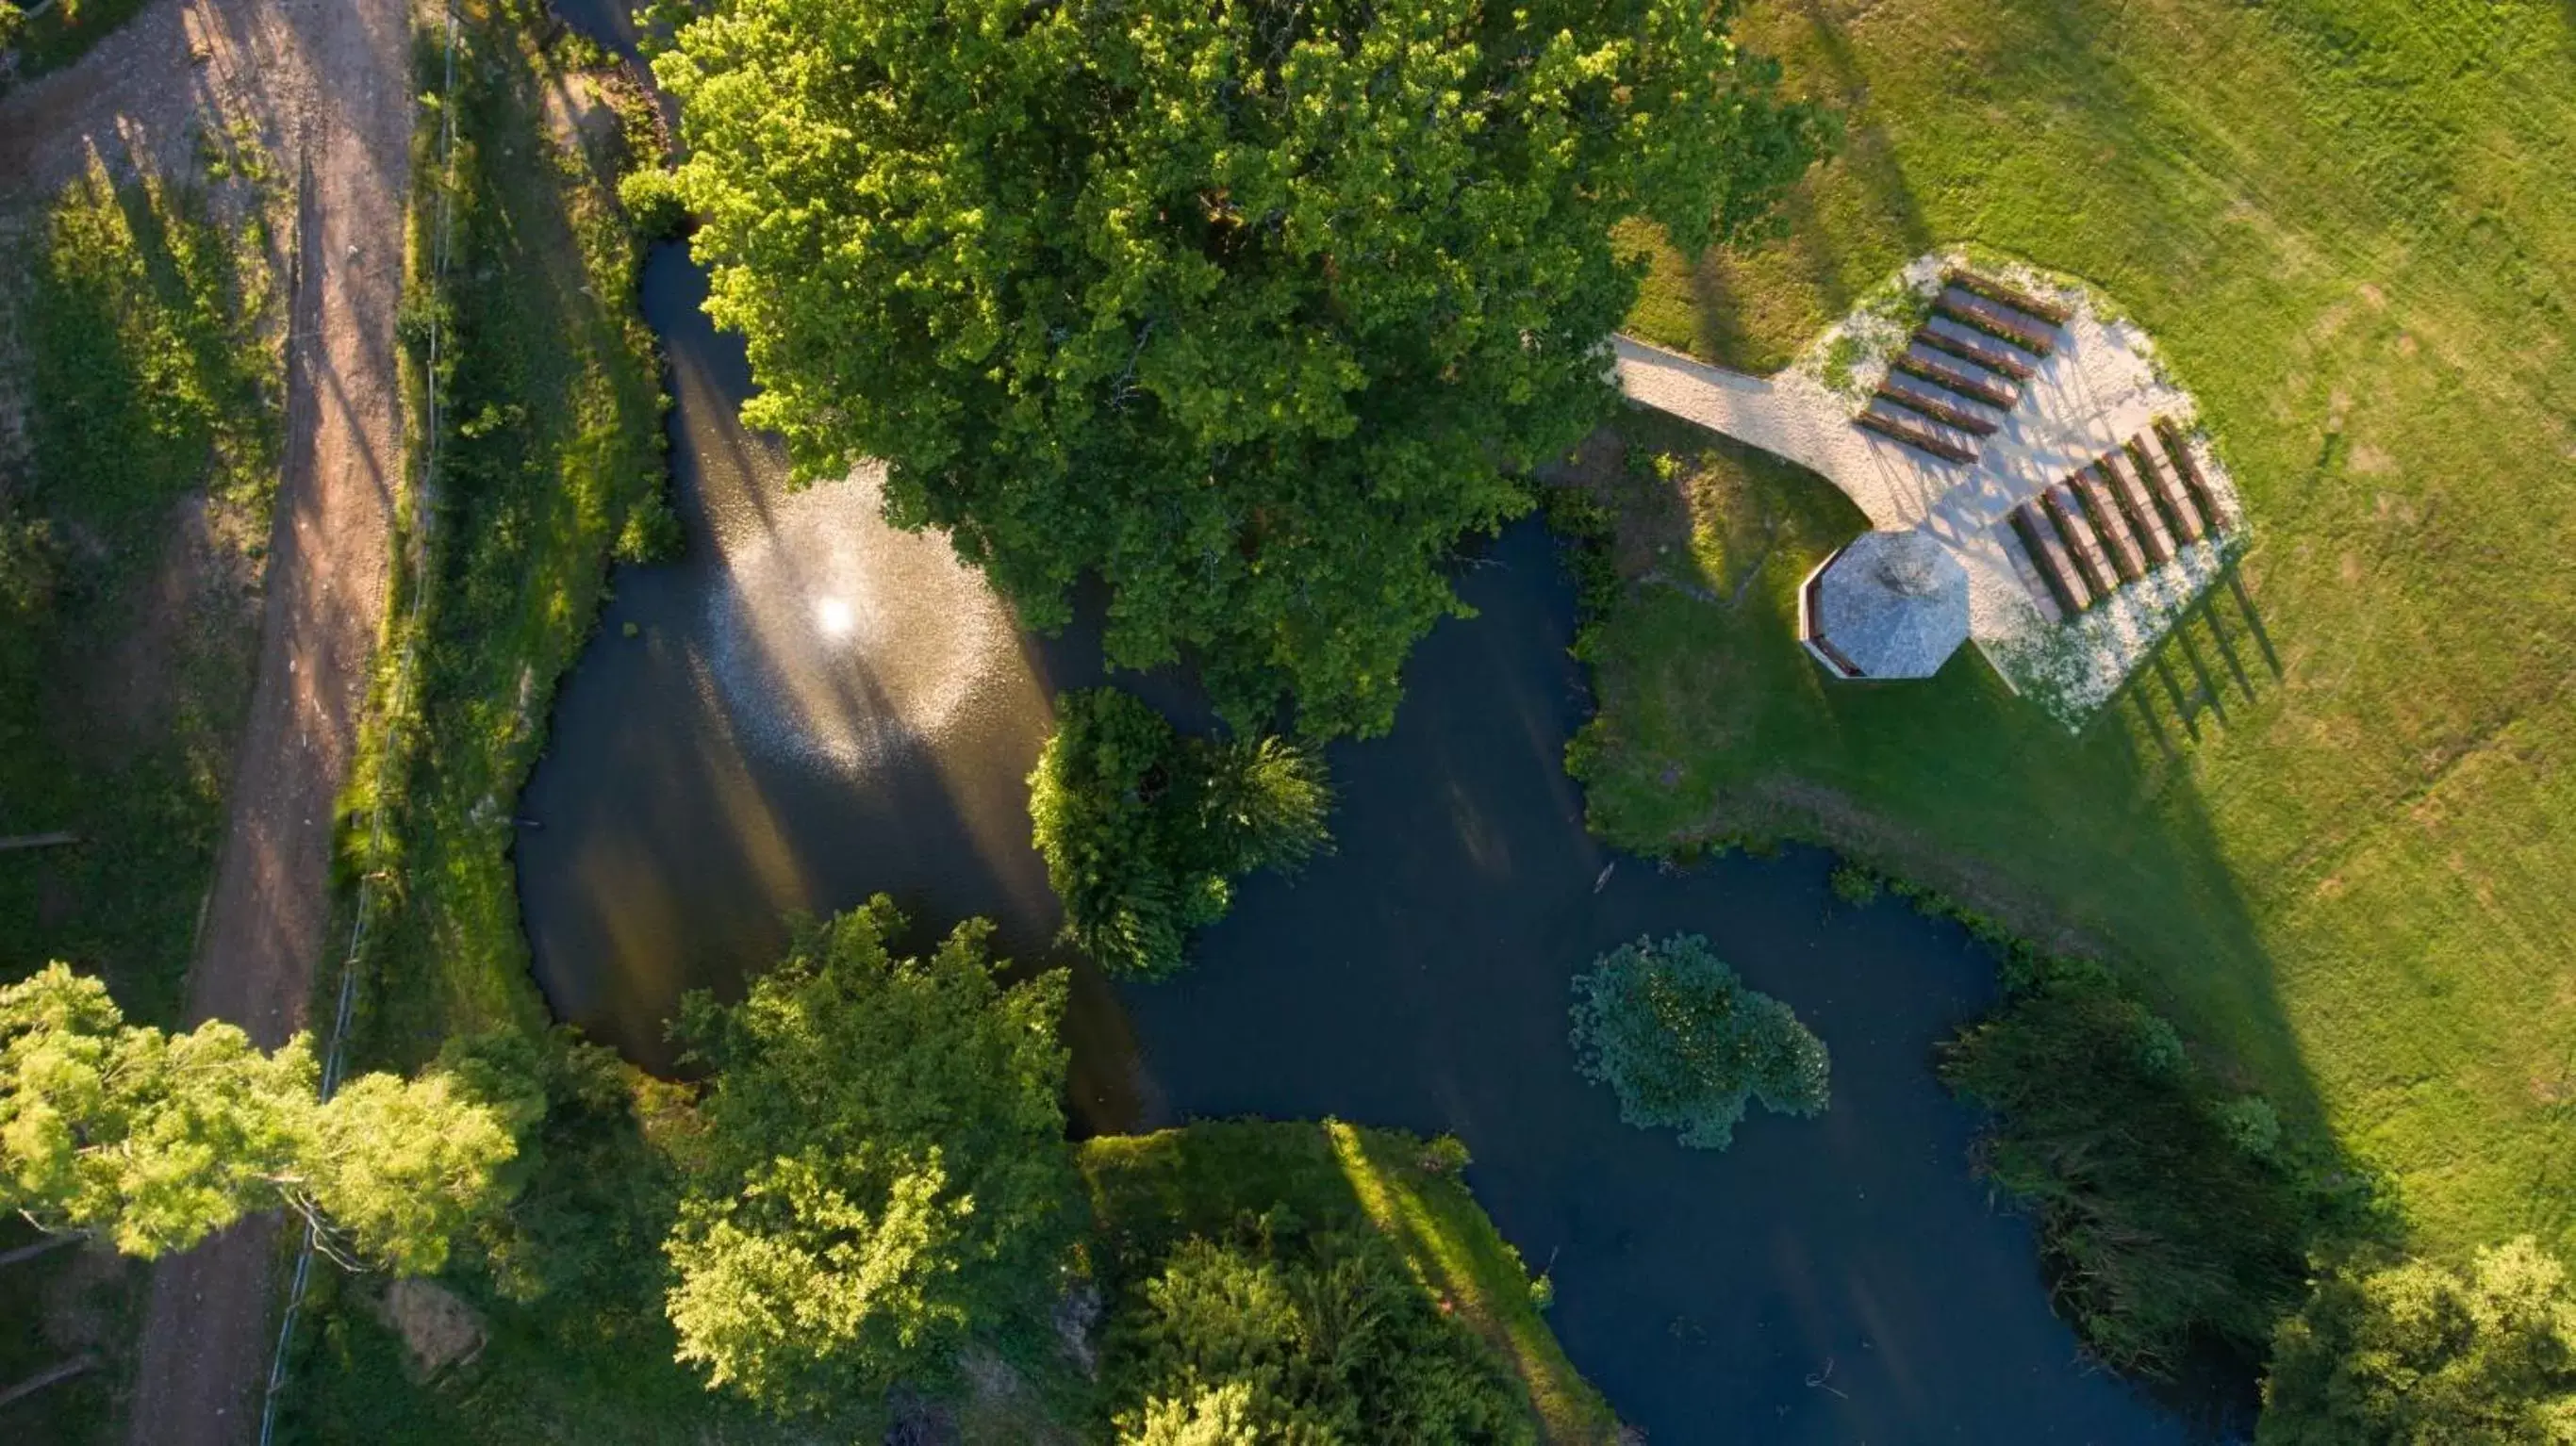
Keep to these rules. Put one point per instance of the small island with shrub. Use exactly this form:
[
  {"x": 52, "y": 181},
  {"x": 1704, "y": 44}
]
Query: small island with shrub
[
  {"x": 1144, "y": 830},
  {"x": 1671, "y": 1028}
]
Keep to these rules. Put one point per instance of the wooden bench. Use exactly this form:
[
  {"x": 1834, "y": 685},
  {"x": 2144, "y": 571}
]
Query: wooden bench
[
  {"x": 2017, "y": 552},
  {"x": 2013, "y": 296},
  {"x": 2103, "y": 511},
  {"x": 1967, "y": 381},
  {"x": 1976, "y": 347},
  {"x": 1916, "y": 398},
  {"x": 1969, "y": 309},
  {"x": 2189, "y": 466},
  {"x": 2068, "y": 514},
  {"x": 1921, "y": 436},
  {"x": 2039, "y": 539},
  {"x": 2167, "y": 487},
  {"x": 2137, "y": 506}
]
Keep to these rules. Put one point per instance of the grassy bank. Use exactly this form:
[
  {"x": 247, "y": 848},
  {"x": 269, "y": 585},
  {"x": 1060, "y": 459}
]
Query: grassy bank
[
  {"x": 545, "y": 465},
  {"x": 1148, "y": 1192},
  {"x": 140, "y": 394},
  {"x": 2352, "y": 876}
]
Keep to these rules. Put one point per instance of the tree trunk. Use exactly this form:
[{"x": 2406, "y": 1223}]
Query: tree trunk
[{"x": 45, "y": 1246}]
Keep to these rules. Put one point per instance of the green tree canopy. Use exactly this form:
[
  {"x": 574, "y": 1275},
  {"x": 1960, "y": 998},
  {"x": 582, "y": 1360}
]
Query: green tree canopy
[
  {"x": 155, "y": 1140},
  {"x": 1144, "y": 830},
  {"x": 1280, "y": 1336},
  {"x": 1685, "y": 1045},
  {"x": 883, "y": 1168},
  {"x": 2170, "y": 1212},
  {"x": 1251, "y": 308},
  {"x": 2418, "y": 1355}
]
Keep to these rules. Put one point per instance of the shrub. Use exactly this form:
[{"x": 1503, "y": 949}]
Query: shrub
[
  {"x": 1854, "y": 885},
  {"x": 2170, "y": 1212},
  {"x": 2416, "y": 1355},
  {"x": 1277, "y": 1335},
  {"x": 1143, "y": 830},
  {"x": 654, "y": 208},
  {"x": 1684, "y": 1043}
]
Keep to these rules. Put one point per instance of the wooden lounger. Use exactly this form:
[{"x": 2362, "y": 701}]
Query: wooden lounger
[
  {"x": 1925, "y": 400},
  {"x": 1920, "y": 435},
  {"x": 2189, "y": 466},
  {"x": 1967, "y": 381},
  {"x": 2068, "y": 514},
  {"x": 2103, "y": 511},
  {"x": 2167, "y": 487},
  {"x": 1977, "y": 347},
  {"x": 2039, "y": 539},
  {"x": 2017, "y": 552},
  {"x": 1969, "y": 309},
  {"x": 2012, "y": 296},
  {"x": 2137, "y": 506}
]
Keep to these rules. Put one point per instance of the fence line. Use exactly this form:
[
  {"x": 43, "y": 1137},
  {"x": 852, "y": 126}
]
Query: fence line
[{"x": 406, "y": 664}]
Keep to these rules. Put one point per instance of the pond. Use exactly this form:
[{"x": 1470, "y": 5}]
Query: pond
[{"x": 808, "y": 708}]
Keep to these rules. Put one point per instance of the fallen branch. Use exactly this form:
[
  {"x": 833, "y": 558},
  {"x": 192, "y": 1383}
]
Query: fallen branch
[
  {"x": 47, "y": 1377},
  {"x": 37, "y": 841}
]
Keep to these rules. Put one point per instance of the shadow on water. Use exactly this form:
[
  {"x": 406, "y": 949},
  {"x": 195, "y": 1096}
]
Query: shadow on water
[{"x": 748, "y": 751}]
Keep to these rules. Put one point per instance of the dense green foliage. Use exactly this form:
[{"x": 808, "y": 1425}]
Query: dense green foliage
[
  {"x": 1145, "y": 830},
  {"x": 1686, "y": 1046},
  {"x": 883, "y": 1172},
  {"x": 154, "y": 1141},
  {"x": 2418, "y": 1355},
  {"x": 1155, "y": 1195},
  {"x": 2173, "y": 1214},
  {"x": 1277, "y": 1334},
  {"x": 1251, "y": 309}
]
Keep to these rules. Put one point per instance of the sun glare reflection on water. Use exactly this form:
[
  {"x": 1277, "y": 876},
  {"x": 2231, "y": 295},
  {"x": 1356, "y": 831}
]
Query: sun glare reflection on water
[{"x": 836, "y": 638}]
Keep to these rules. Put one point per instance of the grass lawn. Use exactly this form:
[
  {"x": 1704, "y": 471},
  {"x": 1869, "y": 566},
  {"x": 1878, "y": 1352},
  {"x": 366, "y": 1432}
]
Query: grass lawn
[
  {"x": 2348, "y": 225},
  {"x": 1148, "y": 1192},
  {"x": 138, "y": 347}
]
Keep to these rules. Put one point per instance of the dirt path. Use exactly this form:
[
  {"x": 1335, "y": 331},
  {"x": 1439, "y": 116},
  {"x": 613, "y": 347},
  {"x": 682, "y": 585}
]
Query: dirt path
[{"x": 324, "y": 84}]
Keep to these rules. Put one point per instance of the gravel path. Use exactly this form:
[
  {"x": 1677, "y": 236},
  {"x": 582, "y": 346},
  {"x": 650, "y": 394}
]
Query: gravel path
[{"x": 324, "y": 84}]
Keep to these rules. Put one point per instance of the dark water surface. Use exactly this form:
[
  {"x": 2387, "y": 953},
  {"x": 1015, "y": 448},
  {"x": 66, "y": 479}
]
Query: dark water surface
[{"x": 811, "y": 709}]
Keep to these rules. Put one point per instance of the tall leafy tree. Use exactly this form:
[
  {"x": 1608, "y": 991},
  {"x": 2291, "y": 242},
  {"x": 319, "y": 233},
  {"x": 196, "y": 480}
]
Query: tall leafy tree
[
  {"x": 156, "y": 1140},
  {"x": 1274, "y": 1335},
  {"x": 1252, "y": 307},
  {"x": 2416, "y": 1354},
  {"x": 883, "y": 1171}
]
